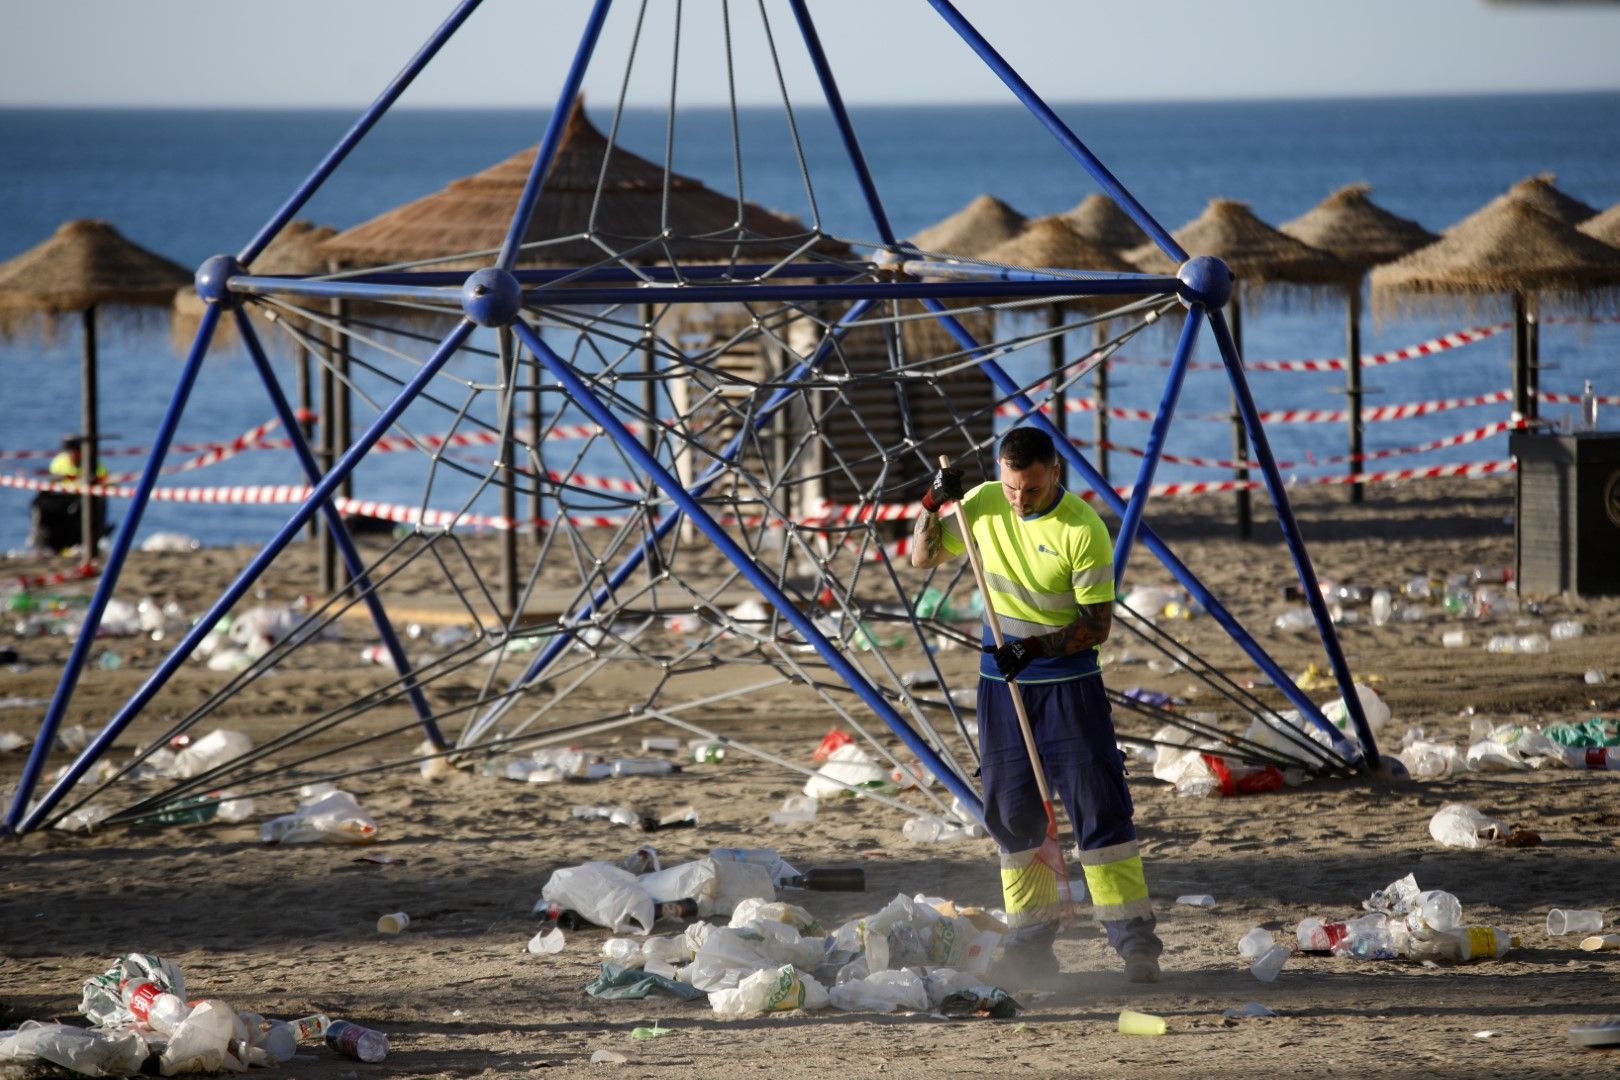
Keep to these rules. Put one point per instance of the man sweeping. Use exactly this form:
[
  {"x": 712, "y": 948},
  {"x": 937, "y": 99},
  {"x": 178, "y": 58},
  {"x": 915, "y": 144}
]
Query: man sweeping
[{"x": 1049, "y": 582}]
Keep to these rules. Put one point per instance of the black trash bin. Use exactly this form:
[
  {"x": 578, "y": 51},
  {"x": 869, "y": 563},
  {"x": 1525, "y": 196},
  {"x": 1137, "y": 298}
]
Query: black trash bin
[{"x": 1566, "y": 522}]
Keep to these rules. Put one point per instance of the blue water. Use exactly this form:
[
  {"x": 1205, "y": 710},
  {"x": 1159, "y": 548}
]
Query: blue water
[{"x": 191, "y": 184}]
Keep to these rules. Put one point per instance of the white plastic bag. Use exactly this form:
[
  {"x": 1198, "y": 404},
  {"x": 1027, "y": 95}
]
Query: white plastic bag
[
  {"x": 211, "y": 751},
  {"x": 201, "y": 1044},
  {"x": 770, "y": 990},
  {"x": 334, "y": 818},
  {"x": 87, "y": 1051},
  {"x": 848, "y": 766},
  {"x": 606, "y": 894},
  {"x": 1372, "y": 707},
  {"x": 881, "y": 991},
  {"x": 1459, "y": 825}
]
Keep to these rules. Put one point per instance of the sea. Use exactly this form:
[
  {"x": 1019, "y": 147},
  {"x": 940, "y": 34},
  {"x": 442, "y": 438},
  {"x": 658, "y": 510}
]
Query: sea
[{"x": 190, "y": 184}]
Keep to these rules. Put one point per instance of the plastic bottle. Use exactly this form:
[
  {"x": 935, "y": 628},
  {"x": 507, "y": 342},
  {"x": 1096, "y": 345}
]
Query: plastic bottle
[
  {"x": 1589, "y": 408},
  {"x": 829, "y": 879},
  {"x": 644, "y": 767},
  {"x": 152, "y": 1005},
  {"x": 1314, "y": 935},
  {"x": 1434, "y": 911},
  {"x": 1454, "y": 639},
  {"x": 1367, "y": 938},
  {"x": 277, "y": 1038},
  {"x": 311, "y": 1027},
  {"x": 708, "y": 752},
  {"x": 563, "y": 917},
  {"x": 1534, "y": 644},
  {"x": 191, "y": 810},
  {"x": 360, "y": 1043},
  {"x": 1565, "y": 630},
  {"x": 1383, "y": 606},
  {"x": 1505, "y": 644},
  {"x": 675, "y": 910},
  {"x": 1463, "y": 944}
]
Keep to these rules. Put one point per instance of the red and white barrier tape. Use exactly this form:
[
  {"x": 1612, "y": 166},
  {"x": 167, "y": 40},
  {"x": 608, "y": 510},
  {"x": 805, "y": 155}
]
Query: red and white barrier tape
[
  {"x": 1460, "y": 439},
  {"x": 1443, "y": 343}
]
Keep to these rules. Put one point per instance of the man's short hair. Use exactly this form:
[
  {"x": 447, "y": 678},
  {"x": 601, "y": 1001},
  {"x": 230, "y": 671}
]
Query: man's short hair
[{"x": 1025, "y": 446}]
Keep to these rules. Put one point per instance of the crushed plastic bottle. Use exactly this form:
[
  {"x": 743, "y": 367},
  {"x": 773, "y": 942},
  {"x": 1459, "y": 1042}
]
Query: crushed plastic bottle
[
  {"x": 1368, "y": 938},
  {"x": 360, "y": 1043},
  {"x": 1317, "y": 935}
]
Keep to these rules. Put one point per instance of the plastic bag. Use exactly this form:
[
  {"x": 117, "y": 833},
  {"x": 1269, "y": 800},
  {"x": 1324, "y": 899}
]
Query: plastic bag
[
  {"x": 770, "y": 990},
  {"x": 847, "y": 767},
  {"x": 87, "y": 1051},
  {"x": 209, "y": 752},
  {"x": 334, "y": 818},
  {"x": 1459, "y": 825},
  {"x": 725, "y": 955},
  {"x": 881, "y": 991},
  {"x": 605, "y": 894},
  {"x": 201, "y": 1044},
  {"x": 1372, "y": 706}
]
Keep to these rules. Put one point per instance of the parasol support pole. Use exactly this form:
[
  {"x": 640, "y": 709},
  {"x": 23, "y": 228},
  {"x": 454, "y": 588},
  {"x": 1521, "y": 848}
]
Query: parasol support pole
[
  {"x": 1240, "y": 440},
  {"x": 1352, "y": 388},
  {"x": 1099, "y": 417},
  {"x": 1056, "y": 363},
  {"x": 90, "y": 448}
]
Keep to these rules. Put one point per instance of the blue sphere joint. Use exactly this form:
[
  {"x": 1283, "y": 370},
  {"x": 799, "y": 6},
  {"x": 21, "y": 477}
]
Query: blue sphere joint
[
  {"x": 1209, "y": 281},
  {"x": 492, "y": 297},
  {"x": 213, "y": 281}
]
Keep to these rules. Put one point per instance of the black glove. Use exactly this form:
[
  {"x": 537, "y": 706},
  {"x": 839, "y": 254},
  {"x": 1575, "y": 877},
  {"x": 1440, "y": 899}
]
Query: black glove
[
  {"x": 946, "y": 487},
  {"x": 1015, "y": 656}
]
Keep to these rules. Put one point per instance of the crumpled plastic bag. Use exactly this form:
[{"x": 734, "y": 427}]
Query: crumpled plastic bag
[
  {"x": 847, "y": 767},
  {"x": 606, "y": 894},
  {"x": 620, "y": 983},
  {"x": 723, "y": 956},
  {"x": 201, "y": 1044},
  {"x": 103, "y": 1005},
  {"x": 209, "y": 752},
  {"x": 718, "y": 885},
  {"x": 1459, "y": 825},
  {"x": 770, "y": 990},
  {"x": 333, "y": 818},
  {"x": 881, "y": 991},
  {"x": 87, "y": 1051}
]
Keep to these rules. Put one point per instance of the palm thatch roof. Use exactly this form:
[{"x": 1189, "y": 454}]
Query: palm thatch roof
[
  {"x": 1258, "y": 254},
  {"x": 1540, "y": 191},
  {"x": 84, "y": 264},
  {"x": 1099, "y": 219},
  {"x": 1050, "y": 243},
  {"x": 1353, "y": 229},
  {"x": 972, "y": 230},
  {"x": 474, "y": 213},
  {"x": 1604, "y": 226},
  {"x": 1510, "y": 247}
]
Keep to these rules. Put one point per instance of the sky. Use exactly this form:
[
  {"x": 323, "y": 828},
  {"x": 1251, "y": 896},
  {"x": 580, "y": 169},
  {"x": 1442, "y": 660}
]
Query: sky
[{"x": 321, "y": 53}]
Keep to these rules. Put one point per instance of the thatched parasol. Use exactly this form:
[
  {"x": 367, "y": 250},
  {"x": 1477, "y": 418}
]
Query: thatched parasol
[
  {"x": 1508, "y": 249},
  {"x": 473, "y": 214},
  {"x": 1099, "y": 219},
  {"x": 1262, "y": 258},
  {"x": 1540, "y": 191},
  {"x": 83, "y": 265},
  {"x": 1351, "y": 228},
  {"x": 972, "y": 230},
  {"x": 1604, "y": 226}
]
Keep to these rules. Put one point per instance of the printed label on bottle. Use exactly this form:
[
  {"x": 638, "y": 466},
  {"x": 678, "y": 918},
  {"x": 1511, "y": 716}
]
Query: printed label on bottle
[
  {"x": 1481, "y": 941},
  {"x": 141, "y": 999}
]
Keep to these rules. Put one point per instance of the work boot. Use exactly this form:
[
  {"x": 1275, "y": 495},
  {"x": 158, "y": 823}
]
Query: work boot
[
  {"x": 1027, "y": 961},
  {"x": 1142, "y": 967}
]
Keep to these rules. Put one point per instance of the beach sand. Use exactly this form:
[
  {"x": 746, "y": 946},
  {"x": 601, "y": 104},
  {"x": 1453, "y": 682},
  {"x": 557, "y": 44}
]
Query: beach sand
[{"x": 288, "y": 931}]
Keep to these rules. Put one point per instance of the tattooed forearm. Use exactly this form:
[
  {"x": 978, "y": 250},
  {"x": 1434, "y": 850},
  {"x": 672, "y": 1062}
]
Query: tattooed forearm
[
  {"x": 1087, "y": 631},
  {"x": 927, "y": 543}
]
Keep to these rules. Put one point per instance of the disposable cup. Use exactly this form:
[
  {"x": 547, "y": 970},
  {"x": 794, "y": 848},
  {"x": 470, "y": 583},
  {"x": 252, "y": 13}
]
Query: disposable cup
[
  {"x": 1601, "y": 942},
  {"x": 1132, "y": 1022},
  {"x": 1562, "y": 921},
  {"x": 393, "y": 924}
]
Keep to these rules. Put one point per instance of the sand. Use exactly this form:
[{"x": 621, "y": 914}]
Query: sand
[{"x": 291, "y": 930}]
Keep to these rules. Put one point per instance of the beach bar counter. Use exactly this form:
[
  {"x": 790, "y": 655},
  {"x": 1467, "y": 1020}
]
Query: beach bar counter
[{"x": 1566, "y": 522}]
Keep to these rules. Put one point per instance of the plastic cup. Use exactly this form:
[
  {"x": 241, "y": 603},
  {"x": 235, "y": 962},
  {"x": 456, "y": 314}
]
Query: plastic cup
[
  {"x": 1562, "y": 921},
  {"x": 1132, "y": 1022},
  {"x": 393, "y": 924},
  {"x": 1267, "y": 966}
]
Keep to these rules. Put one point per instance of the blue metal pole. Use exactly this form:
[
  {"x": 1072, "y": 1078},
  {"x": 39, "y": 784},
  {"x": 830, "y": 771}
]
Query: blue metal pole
[
  {"x": 1155, "y": 444},
  {"x": 1011, "y": 284},
  {"x": 244, "y": 581},
  {"x": 340, "y": 532},
  {"x": 121, "y": 544},
  {"x": 1260, "y": 446},
  {"x": 584, "y": 397},
  {"x": 1071, "y": 142},
  {"x": 1095, "y": 480},
  {"x": 846, "y": 130},
  {"x": 352, "y": 137},
  {"x": 635, "y": 558},
  {"x": 553, "y": 137}
]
